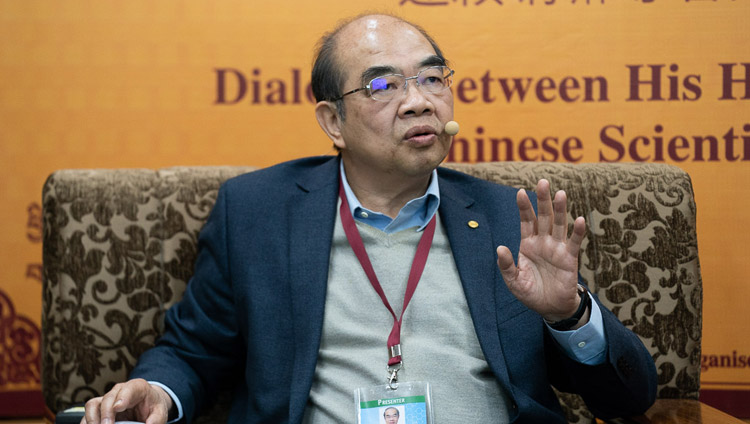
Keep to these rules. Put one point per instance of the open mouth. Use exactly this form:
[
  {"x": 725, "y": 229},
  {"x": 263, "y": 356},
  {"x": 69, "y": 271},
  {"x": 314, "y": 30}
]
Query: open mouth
[{"x": 420, "y": 134}]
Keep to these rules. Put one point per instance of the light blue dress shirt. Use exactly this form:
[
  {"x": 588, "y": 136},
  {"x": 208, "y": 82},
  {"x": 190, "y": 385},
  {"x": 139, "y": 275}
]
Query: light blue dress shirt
[{"x": 415, "y": 213}]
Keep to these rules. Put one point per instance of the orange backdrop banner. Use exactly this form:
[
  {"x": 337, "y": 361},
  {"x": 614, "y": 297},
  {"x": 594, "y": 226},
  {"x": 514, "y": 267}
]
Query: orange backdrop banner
[{"x": 149, "y": 84}]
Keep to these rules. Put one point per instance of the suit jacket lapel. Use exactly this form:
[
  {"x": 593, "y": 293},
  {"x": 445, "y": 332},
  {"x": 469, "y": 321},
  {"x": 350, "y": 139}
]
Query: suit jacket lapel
[
  {"x": 311, "y": 228},
  {"x": 473, "y": 249}
]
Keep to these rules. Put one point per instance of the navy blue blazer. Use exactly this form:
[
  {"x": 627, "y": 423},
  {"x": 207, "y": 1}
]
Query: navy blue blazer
[{"x": 252, "y": 315}]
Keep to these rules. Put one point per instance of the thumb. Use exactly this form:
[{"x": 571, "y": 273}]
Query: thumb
[{"x": 507, "y": 267}]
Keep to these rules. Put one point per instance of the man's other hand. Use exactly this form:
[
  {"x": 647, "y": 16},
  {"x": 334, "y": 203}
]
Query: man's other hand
[{"x": 134, "y": 400}]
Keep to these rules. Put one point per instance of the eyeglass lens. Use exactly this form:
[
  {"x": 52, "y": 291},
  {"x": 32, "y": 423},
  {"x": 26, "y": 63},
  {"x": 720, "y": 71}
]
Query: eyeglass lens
[{"x": 431, "y": 80}]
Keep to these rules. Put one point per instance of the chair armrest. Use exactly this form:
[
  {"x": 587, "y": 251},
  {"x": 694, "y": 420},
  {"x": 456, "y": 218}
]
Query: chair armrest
[{"x": 678, "y": 411}]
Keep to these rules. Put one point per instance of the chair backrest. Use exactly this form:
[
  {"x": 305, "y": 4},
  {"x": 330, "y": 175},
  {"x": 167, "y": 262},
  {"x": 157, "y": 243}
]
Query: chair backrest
[{"x": 119, "y": 247}]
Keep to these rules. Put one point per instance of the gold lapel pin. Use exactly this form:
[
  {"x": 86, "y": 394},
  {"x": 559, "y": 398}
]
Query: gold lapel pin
[{"x": 473, "y": 224}]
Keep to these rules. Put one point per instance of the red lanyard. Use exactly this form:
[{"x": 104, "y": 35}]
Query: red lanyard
[{"x": 417, "y": 266}]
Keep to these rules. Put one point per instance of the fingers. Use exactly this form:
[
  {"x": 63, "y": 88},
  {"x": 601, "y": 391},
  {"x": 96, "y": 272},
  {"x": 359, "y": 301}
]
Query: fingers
[
  {"x": 122, "y": 397},
  {"x": 106, "y": 407},
  {"x": 526, "y": 211},
  {"x": 99, "y": 409},
  {"x": 552, "y": 212},
  {"x": 552, "y": 217},
  {"x": 560, "y": 227},
  {"x": 576, "y": 238},
  {"x": 507, "y": 267},
  {"x": 91, "y": 415},
  {"x": 544, "y": 207}
]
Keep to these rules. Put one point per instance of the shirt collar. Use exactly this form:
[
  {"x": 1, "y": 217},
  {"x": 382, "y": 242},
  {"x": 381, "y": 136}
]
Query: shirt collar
[{"x": 416, "y": 213}]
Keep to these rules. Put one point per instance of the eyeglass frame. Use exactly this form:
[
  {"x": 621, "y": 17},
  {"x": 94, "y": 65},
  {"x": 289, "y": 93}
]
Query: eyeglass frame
[{"x": 368, "y": 87}]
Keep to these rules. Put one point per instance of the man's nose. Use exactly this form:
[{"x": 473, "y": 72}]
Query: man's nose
[{"x": 415, "y": 102}]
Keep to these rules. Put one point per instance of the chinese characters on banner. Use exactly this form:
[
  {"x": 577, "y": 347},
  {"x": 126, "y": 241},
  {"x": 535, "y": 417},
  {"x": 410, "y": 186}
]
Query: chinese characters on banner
[{"x": 500, "y": 2}]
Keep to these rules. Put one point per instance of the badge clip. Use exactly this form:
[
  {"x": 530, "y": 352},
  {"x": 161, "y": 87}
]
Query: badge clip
[{"x": 393, "y": 377}]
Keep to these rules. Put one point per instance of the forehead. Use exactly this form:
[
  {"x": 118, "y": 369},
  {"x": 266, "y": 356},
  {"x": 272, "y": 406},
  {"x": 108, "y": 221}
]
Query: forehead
[{"x": 381, "y": 41}]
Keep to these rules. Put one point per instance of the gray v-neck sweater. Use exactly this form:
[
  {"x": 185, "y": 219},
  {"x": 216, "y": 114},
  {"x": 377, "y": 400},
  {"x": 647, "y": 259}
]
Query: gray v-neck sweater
[{"x": 439, "y": 344}]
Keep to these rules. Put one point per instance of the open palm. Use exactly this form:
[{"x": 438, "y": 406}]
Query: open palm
[{"x": 546, "y": 276}]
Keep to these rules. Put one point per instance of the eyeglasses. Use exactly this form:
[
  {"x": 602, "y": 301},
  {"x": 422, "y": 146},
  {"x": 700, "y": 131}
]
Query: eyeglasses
[{"x": 430, "y": 80}]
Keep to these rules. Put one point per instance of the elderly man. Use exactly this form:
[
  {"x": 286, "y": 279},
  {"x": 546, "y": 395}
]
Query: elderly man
[
  {"x": 391, "y": 416},
  {"x": 307, "y": 271}
]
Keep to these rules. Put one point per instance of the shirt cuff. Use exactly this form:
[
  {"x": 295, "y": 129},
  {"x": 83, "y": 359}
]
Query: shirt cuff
[
  {"x": 174, "y": 397},
  {"x": 586, "y": 344}
]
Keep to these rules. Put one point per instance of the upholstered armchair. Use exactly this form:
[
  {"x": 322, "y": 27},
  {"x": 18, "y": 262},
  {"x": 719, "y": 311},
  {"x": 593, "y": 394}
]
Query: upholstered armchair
[{"x": 119, "y": 247}]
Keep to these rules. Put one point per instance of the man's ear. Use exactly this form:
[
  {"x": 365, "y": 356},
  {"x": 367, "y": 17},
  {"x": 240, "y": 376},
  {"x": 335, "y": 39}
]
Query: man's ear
[{"x": 329, "y": 120}]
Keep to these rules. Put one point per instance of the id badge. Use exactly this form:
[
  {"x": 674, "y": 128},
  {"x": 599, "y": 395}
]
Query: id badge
[{"x": 408, "y": 403}]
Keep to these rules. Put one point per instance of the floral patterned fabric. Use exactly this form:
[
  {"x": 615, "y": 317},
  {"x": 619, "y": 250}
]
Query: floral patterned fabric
[{"x": 119, "y": 247}]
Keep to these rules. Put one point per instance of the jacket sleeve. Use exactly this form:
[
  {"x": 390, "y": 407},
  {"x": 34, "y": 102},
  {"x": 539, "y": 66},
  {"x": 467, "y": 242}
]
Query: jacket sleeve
[
  {"x": 200, "y": 347},
  {"x": 624, "y": 385}
]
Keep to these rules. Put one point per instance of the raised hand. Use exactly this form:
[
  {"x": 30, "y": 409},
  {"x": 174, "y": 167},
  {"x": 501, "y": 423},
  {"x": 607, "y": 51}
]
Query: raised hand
[{"x": 546, "y": 276}]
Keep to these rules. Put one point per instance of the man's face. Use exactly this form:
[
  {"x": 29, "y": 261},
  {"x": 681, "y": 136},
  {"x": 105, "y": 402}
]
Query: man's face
[
  {"x": 391, "y": 416},
  {"x": 403, "y": 136}
]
